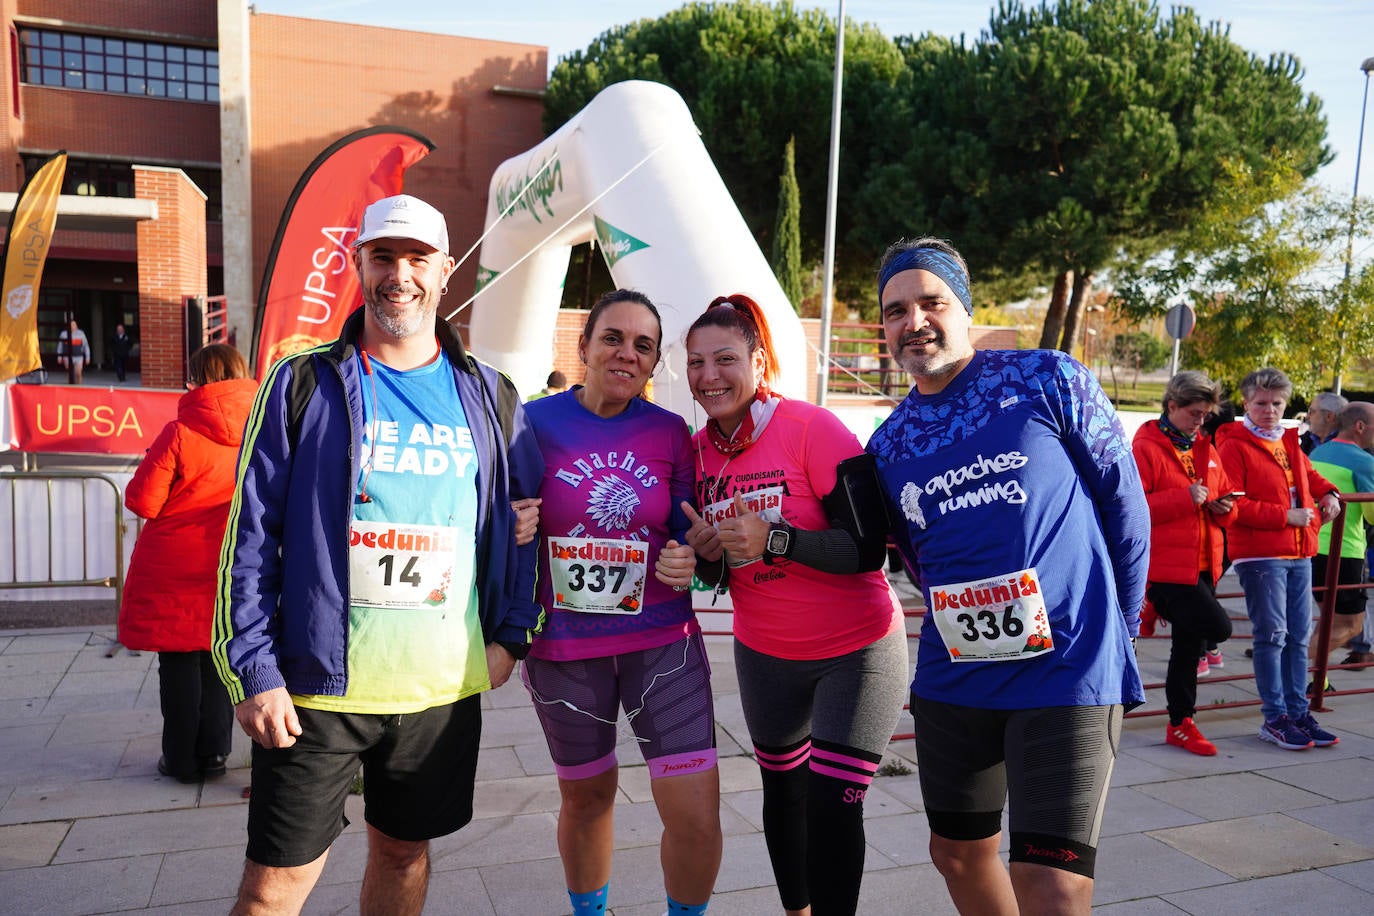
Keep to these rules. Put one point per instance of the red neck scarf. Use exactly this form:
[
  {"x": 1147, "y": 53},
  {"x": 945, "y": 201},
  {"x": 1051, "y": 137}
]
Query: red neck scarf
[{"x": 750, "y": 428}]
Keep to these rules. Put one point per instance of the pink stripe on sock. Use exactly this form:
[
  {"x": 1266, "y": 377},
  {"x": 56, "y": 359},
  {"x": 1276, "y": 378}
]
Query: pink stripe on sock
[
  {"x": 857, "y": 763},
  {"x": 586, "y": 770},
  {"x": 682, "y": 764},
  {"x": 846, "y": 775},
  {"x": 787, "y": 761}
]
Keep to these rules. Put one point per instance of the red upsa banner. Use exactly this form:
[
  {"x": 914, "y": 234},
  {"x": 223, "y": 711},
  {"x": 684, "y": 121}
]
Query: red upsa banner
[
  {"x": 309, "y": 286},
  {"x": 70, "y": 418}
]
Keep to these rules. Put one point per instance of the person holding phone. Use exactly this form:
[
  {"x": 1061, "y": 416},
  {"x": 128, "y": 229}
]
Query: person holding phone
[{"x": 1191, "y": 502}]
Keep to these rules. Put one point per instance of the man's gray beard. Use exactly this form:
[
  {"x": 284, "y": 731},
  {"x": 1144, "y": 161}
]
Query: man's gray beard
[
  {"x": 401, "y": 328},
  {"x": 929, "y": 366},
  {"x": 936, "y": 366}
]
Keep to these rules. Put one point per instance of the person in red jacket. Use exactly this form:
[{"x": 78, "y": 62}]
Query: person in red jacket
[
  {"x": 183, "y": 487},
  {"x": 1191, "y": 500},
  {"x": 1271, "y": 544}
]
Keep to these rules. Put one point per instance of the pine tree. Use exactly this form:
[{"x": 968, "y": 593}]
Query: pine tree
[{"x": 787, "y": 229}]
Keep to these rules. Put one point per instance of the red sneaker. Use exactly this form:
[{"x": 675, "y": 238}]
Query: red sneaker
[
  {"x": 1186, "y": 736},
  {"x": 1148, "y": 619}
]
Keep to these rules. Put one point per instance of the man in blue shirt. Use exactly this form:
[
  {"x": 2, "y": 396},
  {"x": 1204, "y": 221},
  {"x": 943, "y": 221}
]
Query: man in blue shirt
[{"x": 1018, "y": 505}]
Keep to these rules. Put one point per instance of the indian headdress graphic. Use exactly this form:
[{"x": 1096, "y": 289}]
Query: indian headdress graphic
[
  {"x": 911, "y": 504},
  {"x": 612, "y": 503}
]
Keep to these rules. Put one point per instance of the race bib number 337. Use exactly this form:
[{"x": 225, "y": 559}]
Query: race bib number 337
[
  {"x": 1000, "y": 619},
  {"x": 598, "y": 575}
]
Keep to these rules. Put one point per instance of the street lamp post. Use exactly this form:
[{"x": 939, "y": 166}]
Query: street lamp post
[
  {"x": 1367, "y": 67},
  {"x": 831, "y": 194},
  {"x": 1092, "y": 343}
]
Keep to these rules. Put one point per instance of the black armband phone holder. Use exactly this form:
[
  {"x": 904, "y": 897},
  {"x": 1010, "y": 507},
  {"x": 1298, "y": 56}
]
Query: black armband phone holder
[{"x": 857, "y": 503}]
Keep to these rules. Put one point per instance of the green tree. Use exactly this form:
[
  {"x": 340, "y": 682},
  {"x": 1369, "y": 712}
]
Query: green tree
[
  {"x": 1266, "y": 280},
  {"x": 1140, "y": 351},
  {"x": 787, "y": 229},
  {"x": 1073, "y": 133}
]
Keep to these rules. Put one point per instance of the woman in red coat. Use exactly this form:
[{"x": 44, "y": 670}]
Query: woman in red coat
[
  {"x": 183, "y": 487},
  {"x": 1191, "y": 501},
  {"x": 1272, "y": 543}
]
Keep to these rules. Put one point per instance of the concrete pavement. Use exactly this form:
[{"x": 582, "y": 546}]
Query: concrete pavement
[{"x": 87, "y": 825}]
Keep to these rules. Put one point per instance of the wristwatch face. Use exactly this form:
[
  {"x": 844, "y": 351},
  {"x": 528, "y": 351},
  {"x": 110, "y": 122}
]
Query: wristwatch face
[{"x": 777, "y": 542}]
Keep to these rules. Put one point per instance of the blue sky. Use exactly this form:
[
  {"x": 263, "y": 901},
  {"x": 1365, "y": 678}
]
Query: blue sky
[{"x": 1330, "y": 37}]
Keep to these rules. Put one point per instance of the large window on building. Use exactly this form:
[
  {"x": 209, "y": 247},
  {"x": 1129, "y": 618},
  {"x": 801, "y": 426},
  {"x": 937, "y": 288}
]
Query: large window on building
[
  {"x": 119, "y": 65},
  {"x": 102, "y": 178}
]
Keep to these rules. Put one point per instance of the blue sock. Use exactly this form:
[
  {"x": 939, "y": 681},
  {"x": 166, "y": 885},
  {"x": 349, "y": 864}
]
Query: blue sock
[
  {"x": 590, "y": 902},
  {"x": 686, "y": 909}
]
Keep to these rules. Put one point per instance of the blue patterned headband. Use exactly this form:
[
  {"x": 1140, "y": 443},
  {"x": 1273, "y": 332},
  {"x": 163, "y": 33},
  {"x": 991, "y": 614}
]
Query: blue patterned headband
[{"x": 935, "y": 261}]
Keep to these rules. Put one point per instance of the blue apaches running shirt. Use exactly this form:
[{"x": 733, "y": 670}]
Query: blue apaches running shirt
[{"x": 1017, "y": 502}]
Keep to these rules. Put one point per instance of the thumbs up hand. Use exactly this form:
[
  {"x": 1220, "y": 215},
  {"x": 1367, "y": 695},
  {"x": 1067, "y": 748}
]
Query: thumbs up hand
[
  {"x": 703, "y": 538},
  {"x": 743, "y": 536}
]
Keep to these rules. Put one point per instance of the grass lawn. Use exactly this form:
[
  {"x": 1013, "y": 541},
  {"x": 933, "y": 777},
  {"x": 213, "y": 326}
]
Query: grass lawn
[{"x": 1144, "y": 395}]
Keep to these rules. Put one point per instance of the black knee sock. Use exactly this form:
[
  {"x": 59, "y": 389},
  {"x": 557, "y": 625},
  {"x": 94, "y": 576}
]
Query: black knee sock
[
  {"x": 839, "y": 780},
  {"x": 785, "y": 777}
]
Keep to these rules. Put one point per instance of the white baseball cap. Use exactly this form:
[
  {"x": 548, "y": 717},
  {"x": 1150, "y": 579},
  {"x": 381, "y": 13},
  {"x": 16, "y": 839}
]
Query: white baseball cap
[{"x": 403, "y": 217}]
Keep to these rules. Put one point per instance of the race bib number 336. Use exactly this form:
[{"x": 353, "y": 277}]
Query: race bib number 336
[
  {"x": 598, "y": 575},
  {"x": 1000, "y": 619}
]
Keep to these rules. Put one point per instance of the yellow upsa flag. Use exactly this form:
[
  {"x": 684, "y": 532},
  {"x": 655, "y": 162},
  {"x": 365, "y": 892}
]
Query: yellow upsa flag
[{"x": 26, "y": 248}]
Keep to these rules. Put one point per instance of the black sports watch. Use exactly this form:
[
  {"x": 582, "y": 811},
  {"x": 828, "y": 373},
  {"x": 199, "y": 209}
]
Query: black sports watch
[{"x": 778, "y": 544}]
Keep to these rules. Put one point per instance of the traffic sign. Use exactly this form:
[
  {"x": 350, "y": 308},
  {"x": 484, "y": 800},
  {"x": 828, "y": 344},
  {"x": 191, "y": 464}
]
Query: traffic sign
[{"x": 1179, "y": 321}]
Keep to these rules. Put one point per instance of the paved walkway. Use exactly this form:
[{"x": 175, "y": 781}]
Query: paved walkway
[{"x": 87, "y": 825}]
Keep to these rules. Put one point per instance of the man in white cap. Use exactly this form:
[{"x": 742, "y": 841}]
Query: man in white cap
[{"x": 372, "y": 581}]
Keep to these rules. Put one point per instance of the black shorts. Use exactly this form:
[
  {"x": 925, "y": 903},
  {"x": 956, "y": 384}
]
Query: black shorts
[
  {"x": 1351, "y": 572},
  {"x": 418, "y": 774},
  {"x": 1055, "y": 763}
]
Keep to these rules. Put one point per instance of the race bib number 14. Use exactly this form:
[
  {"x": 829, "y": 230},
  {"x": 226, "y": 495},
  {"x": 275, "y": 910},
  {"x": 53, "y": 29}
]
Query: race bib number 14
[
  {"x": 598, "y": 575},
  {"x": 400, "y": 567},
  {"x": 1001, "y": 619}
]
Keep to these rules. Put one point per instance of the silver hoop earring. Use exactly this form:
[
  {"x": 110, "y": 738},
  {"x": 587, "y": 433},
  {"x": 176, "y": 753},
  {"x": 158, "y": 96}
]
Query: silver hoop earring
[{"x": 443, "y": 291}]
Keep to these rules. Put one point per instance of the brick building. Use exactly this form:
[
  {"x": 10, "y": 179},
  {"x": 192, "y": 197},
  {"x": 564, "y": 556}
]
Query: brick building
[{"x": 187, "y": 124}]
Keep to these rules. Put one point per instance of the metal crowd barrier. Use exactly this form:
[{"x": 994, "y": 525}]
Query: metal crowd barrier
[
  {"x": 1325, "y": 619},
  {"x": 49, "y": 521},
  {"x": 1326, "y": 613}
]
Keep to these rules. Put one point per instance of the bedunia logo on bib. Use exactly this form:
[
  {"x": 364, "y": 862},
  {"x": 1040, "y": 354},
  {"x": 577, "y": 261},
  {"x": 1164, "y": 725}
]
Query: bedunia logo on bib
[
  {"x": 998, "y": 619},
  {"x": 989, "y": 592}
]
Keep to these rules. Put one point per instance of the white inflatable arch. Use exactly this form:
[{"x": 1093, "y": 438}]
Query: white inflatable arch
[{"x": 629, "y": 171}]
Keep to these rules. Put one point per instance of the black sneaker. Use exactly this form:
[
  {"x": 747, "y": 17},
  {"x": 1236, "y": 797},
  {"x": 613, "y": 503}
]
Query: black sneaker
[
  {"x": 1320, "y": 736},
  {"x": 188, "y": 779},
  {"x": 213, "y": 766},
  {"x": 1281, "y": 731}
]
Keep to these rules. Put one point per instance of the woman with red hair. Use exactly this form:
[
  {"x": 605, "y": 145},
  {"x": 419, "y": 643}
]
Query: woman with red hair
[{"x": 820, "y": 642}]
